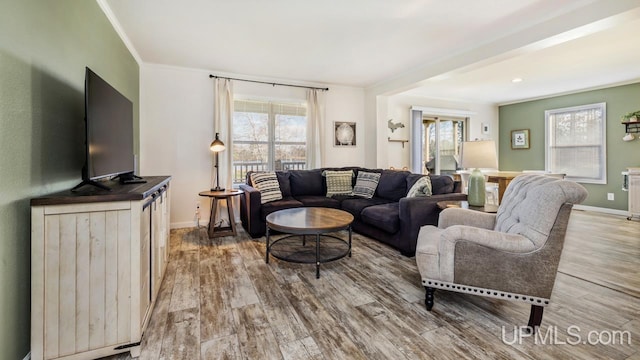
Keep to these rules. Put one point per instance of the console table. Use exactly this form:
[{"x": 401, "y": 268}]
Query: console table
[
  {"x": 488, "y": 208},
  {"x": 97, "y": 261}
]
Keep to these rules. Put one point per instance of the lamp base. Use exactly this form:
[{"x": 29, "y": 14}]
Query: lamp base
[
  {"x": 476, "y": 191},
  {"x": 217, "y": 188}
]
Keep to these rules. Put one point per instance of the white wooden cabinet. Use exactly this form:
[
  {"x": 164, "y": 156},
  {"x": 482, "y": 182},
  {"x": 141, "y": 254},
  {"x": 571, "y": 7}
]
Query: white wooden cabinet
[
  {"x": 634, "y": 191},
  {"x": 97, "y": 261}
]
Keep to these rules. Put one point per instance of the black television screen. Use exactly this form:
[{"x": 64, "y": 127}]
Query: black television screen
[{"x": 109, "y": 130}]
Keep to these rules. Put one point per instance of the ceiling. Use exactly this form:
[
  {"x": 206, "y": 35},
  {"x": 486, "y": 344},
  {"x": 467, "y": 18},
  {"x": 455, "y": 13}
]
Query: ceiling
[{"x": 561, "y": 46}]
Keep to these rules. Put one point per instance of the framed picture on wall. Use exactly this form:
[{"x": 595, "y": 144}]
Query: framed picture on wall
[
  {"x": 344, "y": 134},
  {"x": 520, "y": 139},
  {"x": 485, "y": 129}
]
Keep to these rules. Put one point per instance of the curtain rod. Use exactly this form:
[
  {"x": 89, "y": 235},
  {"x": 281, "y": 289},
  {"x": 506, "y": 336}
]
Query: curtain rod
[{"x": 269, "y": 83}]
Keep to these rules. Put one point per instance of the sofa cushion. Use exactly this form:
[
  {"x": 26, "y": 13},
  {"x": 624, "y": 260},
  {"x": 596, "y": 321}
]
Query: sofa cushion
[
  {"x": 267, "y": 184},
  {"x": 412, "y": 179},
  {"x": 392, "y": 185},
  {"x": 285, "y": 185},
  {"x": 319, "y": 201},
  {"x": 338, "y": 182},
  {"x": 286, "y": 203},
  {"x": 366, "y": 184},
  {"x": 441, "y": 184},
  {"x": 422, "y": 187},
  {"x": 307, "y": 182},
  {"x": 355, "y": 206},
  {"x": 385, "y": 217}
]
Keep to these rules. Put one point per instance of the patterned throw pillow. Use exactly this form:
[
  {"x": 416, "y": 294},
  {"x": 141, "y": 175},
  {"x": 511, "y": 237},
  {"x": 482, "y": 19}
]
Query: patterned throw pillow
[
  {"x": 366, "y": 184},
  {"x": 422, "y": 187},
  {"x": 267, "y": 184},
  {"x": 338, "y": 182}
]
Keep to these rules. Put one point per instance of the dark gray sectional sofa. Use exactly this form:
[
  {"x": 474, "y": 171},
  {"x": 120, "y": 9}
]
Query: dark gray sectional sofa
[{"x": 389, "y": 217}]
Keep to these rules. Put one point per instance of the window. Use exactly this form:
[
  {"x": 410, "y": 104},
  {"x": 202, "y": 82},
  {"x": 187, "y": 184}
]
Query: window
[
  {"x": 575, "y": 142},
  {"x": 442, "y": 143},
  {"x": 268, "y": 136}
]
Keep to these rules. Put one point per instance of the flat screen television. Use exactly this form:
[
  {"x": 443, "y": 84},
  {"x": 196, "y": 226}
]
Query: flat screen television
[{"x": 109, "y": 133}]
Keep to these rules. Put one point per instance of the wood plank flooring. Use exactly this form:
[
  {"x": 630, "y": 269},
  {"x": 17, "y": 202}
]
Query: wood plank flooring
[{"x": 219, "y": 300}]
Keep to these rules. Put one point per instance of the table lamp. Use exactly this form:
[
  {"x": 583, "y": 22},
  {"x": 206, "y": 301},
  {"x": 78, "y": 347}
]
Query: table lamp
[
  {"x": 476, "y": 155},
  {"x": 217, "y": 146}
]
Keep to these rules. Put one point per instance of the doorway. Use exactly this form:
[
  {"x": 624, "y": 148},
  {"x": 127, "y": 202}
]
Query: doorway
[
  {"x": 436, "y": 139},
  {"x": 442, "y": 144}
]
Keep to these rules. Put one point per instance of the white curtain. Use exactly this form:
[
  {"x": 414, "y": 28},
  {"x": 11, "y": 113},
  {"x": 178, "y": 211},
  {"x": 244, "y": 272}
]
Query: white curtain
[
  {"x": 222, "y": 124},
  {"x": 222, "y": 118},
  {"x": 315, "y": 128}
]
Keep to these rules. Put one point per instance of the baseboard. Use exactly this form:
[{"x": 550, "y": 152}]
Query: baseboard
[
  {"x": 601, "y": 210},
  {"x": 192, "y": 224},
  {"x": 28, "y": 356},
  {"x": 185, "y": 224}
]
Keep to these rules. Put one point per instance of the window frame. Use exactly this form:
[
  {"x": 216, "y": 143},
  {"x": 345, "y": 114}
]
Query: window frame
[{"x": 602, "y": 166}]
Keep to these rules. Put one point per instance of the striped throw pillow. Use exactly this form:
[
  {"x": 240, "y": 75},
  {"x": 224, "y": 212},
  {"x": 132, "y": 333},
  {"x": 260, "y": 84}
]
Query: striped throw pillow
[
  {"x": 366, "y": 184},
  {"x": 338, "y": 182},
  {"x": 422, "y": 187},
  {"x": 267, "y": 184}
]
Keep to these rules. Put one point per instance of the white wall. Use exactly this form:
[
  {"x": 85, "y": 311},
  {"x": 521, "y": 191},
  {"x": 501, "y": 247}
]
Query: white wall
[
  {"x": 397, "y": 108},
  {"x": 176, "y": 128}
]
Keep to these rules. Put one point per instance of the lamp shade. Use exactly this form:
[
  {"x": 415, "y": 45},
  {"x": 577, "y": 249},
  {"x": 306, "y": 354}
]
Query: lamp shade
[
  {"x": 217, "y": 145},
  {"x": 479, "y": 154}
]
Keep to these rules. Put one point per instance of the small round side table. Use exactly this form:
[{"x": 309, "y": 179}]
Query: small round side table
[{"x": 217, "y": 231}]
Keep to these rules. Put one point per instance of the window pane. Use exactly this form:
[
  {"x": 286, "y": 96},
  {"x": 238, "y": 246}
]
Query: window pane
[
  {"x": 249, "y": 157},
  {"x": 576, "y": 142},
  {"x": 449, "y": 140},
  {"x": 291, "y": 128},
  {"x": 290, "y": 157},
  {"x": 249, "y": 126}
]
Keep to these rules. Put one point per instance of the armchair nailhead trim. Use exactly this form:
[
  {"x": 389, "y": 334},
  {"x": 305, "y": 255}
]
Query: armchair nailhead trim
[{"x": 485, "y": 292}]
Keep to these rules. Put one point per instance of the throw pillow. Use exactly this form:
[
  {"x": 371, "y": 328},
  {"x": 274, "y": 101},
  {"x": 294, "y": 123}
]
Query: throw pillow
[
  {"x": 366, "y": 184},
  {"x": 422, "y": 187},
  {"x": 267, "y": 184},
  {"x": 338, "y": 182}
]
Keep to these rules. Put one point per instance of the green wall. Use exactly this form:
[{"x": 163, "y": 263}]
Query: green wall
[
  {"x": 44, "y": 48},
  {"x": 620, "y": 155}
]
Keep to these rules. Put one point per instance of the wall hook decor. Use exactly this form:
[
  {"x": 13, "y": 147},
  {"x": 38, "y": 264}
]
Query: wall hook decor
[{"x": 393, "y": 126}]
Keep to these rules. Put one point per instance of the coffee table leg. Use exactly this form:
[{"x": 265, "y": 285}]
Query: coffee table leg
[
  {"x": 267, "y": 258},
  {"x": 317, "y": 256},
  {"x": 349, "y": 240},
  {"x": 304, "y": 240}
]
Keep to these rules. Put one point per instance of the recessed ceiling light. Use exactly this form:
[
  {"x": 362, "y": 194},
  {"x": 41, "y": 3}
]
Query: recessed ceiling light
[{"x": 516, "y": 80}]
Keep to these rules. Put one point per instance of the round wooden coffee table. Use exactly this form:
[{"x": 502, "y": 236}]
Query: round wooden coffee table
[{"x": 300, "y": 222}]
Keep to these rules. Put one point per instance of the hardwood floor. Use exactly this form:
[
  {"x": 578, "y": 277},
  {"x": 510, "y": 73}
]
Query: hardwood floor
[{"x": 219, "y": 300}]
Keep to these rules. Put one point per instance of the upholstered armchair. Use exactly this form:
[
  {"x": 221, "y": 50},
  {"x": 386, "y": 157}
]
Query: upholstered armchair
[{"x": 511, "y": 255}]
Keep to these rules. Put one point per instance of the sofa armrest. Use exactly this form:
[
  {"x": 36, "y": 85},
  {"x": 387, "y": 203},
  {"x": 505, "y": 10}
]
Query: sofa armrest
[
  {"x": 416, "y": 212},
  {"x": 250, "y": 207}
]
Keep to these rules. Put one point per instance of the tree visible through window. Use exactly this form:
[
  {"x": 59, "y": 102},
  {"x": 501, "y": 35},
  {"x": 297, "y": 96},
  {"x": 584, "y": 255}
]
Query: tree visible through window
[
  {"x": 268, "y": 136},
  {"x": 576, "y": 142}
]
